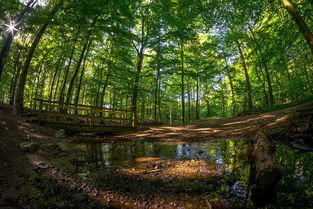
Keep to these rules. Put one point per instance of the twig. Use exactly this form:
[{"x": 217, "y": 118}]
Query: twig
[{"x": 208, "y": 204}]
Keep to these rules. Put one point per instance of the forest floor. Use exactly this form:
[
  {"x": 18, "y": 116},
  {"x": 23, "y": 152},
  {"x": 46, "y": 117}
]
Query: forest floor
[{"x": 39, "y": 173}]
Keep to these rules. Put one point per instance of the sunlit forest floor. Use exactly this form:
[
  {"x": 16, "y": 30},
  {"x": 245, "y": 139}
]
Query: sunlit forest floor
[
  {"x": 272, "y": 123},
  {"x": 39, "y": 170}
]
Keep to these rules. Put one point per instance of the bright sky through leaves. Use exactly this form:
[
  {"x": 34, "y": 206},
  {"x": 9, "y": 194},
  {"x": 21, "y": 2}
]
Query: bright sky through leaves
[{"x": 39, "y": 2}]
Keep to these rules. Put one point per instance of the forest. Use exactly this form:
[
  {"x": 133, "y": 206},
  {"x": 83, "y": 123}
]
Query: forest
[
  {"x": 106, "y": 97},
  {"x": 170, "y": 61}
]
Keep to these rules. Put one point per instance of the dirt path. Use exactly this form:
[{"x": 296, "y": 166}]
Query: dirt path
[{"x": 228, "y": 128}]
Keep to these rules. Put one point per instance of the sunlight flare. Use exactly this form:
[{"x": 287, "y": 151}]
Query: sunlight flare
[{"x": 11, "y": 27}]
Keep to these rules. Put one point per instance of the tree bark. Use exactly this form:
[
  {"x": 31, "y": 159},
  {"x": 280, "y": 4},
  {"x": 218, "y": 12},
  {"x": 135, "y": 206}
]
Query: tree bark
[
  {"x": 15, "y": 76},
  {"x": 71, "y": 85},
  {"x": 62, "y": 92},
  {"x": 265, "y": 172},
  {"x": 96, "y": 101},
  {"x": 232, "y": 93},
  {"x": 143, "y": 111},
  {"x": 198, "y": 100},
  {"x": 105, "y": 85},
  {"x": 182, "y": 83},
  {"x": 54, "y": 76},
  {"x": 19, "y": 100},
  {"x": 57, "y": 86},
  {"x": 37, "y": 79},
  {"x": 159, "y": 101},
  {"x": 82, "y": 75},
  {"x": 269, "y": 84},
  {"x": 189, "y": 102},
  {"x": 304, "y": 29},
  {"x": 262, "y": 63},
  {"x": 266, "y": 102},
  {"x": 156, "y": 91},
  {"x": 82, "y": 55},
  {"x": 208, "y": 108},
  {"x": 139, "y": 62},
  {"x": 170, "y": 114},
  {"x": 244, "y": 66}
]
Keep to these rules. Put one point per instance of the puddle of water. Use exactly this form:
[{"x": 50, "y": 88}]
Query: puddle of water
[
  {"x": 221, "y": 158},
  {"x": 124, "y": 154}
]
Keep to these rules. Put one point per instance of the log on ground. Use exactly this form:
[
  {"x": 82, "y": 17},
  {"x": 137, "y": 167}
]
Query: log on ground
[{"x": 265, "y": 172}]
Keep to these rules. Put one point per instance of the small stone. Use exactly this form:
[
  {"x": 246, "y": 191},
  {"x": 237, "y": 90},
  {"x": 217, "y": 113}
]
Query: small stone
[
  {"x": 60, "y": 133},
  {"x": 87, "y": 134},
  {"x": 29, "y": 146}
]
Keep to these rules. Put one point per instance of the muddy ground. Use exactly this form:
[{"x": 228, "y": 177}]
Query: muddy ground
[{"x": 40, "y": 174}]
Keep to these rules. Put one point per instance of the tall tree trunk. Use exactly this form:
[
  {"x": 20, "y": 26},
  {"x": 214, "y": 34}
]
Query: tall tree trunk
[
  {"x": 232, "y": 93},
  {"x": 198, "y": 100},
  {"x": 182, "y": 82},
  {"x": 223, "y": 102},
  {"x": 143, "y": 110},
  {"x": 96, "y": 103},
  {"x": 266, "y": 102},
  {"x": 37, "y": 79},
  {"x": 244, "y": 66},
  {"x": 156, "y": 90},
  {"x": 43, "y": 84},
  {"x": 189, "y": 103},
  {"x": 96, "y": 99},
  {"x": 62, "y": 92},
  {"x": 266, "y": 70},
  {"x": 307, "y": 77},
  {"x": 10, "y": 36},
  {"x": 291, "y": 89},
  {"x": 15, "y": 76},
  {"x": 82, "y": 75},
  {"x": 71, "y": 85},
  {"x": 19, "y": 99},
  {"x": 208, "y": 108},
  {"x": 269, "y": 84},
  {"x": 159, "y": 101},
  {"x": 54, "y": 76},
  {"x": 57, "y": 86},
  {"x": 171, "y": 114},
  {"x": 82, "y": 55},
  {"x": 139, "y": 62},
  {"x": 105, "y": 85},
  {"x": 304, "y": 29}
]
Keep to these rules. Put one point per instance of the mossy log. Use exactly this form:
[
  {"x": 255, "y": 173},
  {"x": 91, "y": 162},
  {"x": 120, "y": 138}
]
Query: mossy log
[{"x": 265, "y": 172}]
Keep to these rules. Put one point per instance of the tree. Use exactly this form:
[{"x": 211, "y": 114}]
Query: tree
[
  {"x": 13, "y": 28},
  {"x": 303, "y": 27},
  {"x": 166, "y": 61},
  {"x": 19, "y": 99}
]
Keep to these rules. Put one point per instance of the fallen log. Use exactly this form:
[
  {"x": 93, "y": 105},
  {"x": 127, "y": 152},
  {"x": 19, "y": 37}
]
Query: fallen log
[{"x": 265, "y": 172}]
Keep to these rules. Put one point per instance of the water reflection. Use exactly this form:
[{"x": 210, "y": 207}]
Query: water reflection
[
  {"x": 295, "y": 190},
  {"x": 122, "y": 154}
]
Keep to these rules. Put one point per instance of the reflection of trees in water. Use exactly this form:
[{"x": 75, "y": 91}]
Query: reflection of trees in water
[
  {"x": 296, "y": 187},
  {"x": 118, "y": 154},
  {"x": 295, "y": 190},
  {"x": 94, "y": 157}
]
